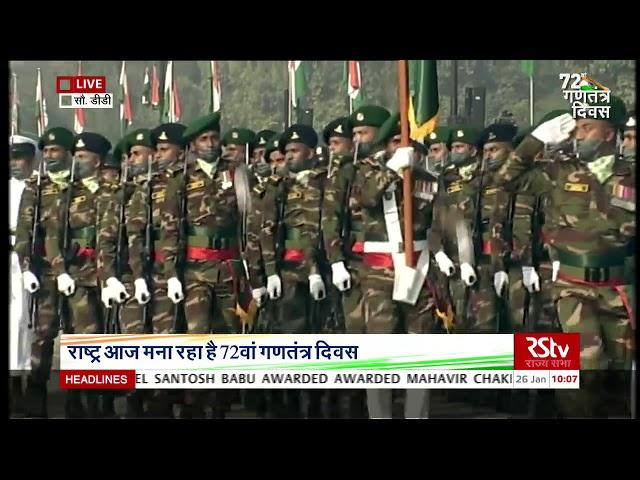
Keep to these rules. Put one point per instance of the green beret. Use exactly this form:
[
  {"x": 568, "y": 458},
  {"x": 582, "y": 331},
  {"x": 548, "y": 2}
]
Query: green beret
[
  {"x": 340, "y": 127},
  {"x": 630, "y": 121},
  {"x": 369, "y": 116},
  {"x": 122, "y": 147},
  {"x": 57, "y": 136},
  {"x": 239, "y": 136},
  {"x": 464, "y": 134},
  {"x": 498, "y": 132},
  {"x": 299, "y": 133},
  {"x": 389, "y": 129},
  {"x": 272, "y": 145},
  {"x": 91, "y": 142},
  {"x": 263, "y": 137},
  {"x": 111, "y": 161},
  {"x": 142, "y": 137},
  {"x": 201, "y": 125},
  {"x": 439, "y": 135},
  {"x": 168, "y": 133}
]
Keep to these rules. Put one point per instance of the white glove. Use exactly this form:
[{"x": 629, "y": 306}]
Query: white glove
[
  {"x": 274, "y": 287},
  {"x": 400, "y": 159},
  {"x": 174, "y": 290},
  {"x": 259, "y": 295},
  {"x": 556, "y": 130},
  {"x": 141, "y": 293},
  {"x": 444, "y": 263},
  {"x": 117, "y": 289},
  {"x": 316, "y": 287},
  {"x": 105, "y": 296},
  {"x": 500, "y": 279},
  {"x": 66, "y": 284},
  {"x": 555, "y": 265},
  {"x": 467, "y": 274},
  {"x": 340, "y": 276},
  {"x": 530, "y": 279},
  {"x": 30, "y": 282}
]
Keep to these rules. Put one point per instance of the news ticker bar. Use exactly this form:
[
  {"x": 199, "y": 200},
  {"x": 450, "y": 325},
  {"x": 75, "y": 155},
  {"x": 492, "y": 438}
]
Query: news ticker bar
[
  {"x": 86, "y": 100},
  {"x": 320, "y": 379}
]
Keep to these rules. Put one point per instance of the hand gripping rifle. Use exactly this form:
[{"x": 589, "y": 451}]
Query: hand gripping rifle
[{"x": 181, "y": 253}]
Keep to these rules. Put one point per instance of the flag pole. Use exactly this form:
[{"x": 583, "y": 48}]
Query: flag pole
[
  {"x": 531, "y": 99},
  {"x": 403, "y": 103}
]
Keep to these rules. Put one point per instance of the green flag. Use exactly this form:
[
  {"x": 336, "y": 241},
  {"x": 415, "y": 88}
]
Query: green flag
[
  {"x": 423, "y": 98},
  {"x": 528, "y": 67}
]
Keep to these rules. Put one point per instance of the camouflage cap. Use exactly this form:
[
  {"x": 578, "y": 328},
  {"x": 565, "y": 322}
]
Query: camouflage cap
[
  {"x": 389, "y": 129},
  {"x": 239, "y": 136},
  {"x": 91, "y": 142},
  {"x": 340, "y": 127},
  {"x": 272, "y": 145},
  {"x": 57, "y": 136},
  {"x": 20, "y": 147},
  {"x": 201, "y": 125},
  {"x": 464, "y": 134},
  {"x": 369, "y": 116},
  {"x": 299, "y": 133},
  {"x": 168, "y": 133},
  {"x": 263, "y": 137},
  {"x": 439, "y": 135},
  {"x": 498, "y": 132},
  {"x": 142, "y": 137}
]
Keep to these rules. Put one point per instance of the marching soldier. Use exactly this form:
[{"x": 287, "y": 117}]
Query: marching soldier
[
  {"x": 75, "y": 261},
  {"x": 110, "y": 168},
  {"x": 438, "y": 142},
  {"x": 590, "y": 232},
  {"x": 292, "y": 246},
  {"x": 261, "y": 140},
  {"x": 155, "y": 157},
  {"x": 212, "y": 272},
  {"x": 38, "y": 276},
  {"x": 22, "y": 153}
]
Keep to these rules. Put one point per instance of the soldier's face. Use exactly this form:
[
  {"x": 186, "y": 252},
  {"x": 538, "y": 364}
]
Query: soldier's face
[
  {"x": 139, "y": 158},
  {"x": 234, "y": 153},
  {"x": 392, "y": 145},
  {"x": 459, "y": 147},
  {"x": 629, "y": 139},
  {"x": 276, "y": 159},
  {"x": 340, "y": 145},
  {"x": 258, "y": 155},
  {"x": 86, "y": 164},
  {"x": 590, "y": 129},
  {"x": 21, "y": 167},
  {"x": 109, "y": 174},
  {"x": 167, "y": 153},
  {"x": 207, "y": 141},
  {"x": 297, "y": 152},
  {"x": 364, "y": 134},
  {"x": 55, "y": 152},
  {"x": 437, "y": 151}
]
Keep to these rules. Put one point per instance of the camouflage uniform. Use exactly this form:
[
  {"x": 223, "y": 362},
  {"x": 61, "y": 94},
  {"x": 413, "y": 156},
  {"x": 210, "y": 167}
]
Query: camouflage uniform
[{"x": 590, "y": 229}]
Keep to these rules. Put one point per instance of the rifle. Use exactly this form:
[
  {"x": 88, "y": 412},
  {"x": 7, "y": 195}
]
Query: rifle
[
  {"x": 476, "y": 234},
  {"x": 148, "y": 252},
  {"x": 33, "y": 303},
  {"x": 322, "y": 265},
  {"x": 502, "y": 309},
  {"x": 530, "y": 321},
  {"x": 66, "y": 243},
  {"x": 115, "y": 312},
  {"x": 182, "y": 241}
]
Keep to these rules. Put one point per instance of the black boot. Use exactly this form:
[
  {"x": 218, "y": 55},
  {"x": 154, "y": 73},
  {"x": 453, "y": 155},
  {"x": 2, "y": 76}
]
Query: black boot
[
  {"x": 36, "y": 398},
  {"x": 73, "y": 405}
]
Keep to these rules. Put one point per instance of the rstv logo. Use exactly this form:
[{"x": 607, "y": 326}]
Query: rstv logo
[{"x": 546, "y": 351}]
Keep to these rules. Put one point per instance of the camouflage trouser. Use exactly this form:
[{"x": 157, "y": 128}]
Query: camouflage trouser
[
  {"x": 606, "y": 347},
  {"x": 543, "y": 305},
  {"x": 517, "y": 298},
  {"x": 295, "y": 307},
  {"x": 352, "y": 301},
  {"x": 384, "y": 315},
  {"x": 482, "y": 302},
  {"x": 47, "y": 326}
]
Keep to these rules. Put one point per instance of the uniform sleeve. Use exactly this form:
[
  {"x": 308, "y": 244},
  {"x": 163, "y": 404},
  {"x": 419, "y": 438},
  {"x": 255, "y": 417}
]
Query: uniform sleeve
[
  {"x": 269, "y": 230},
  {"x": 253, "y": 250},
  {"x": 519, "y": 161},
  {"x": 498, "y": 228},
  {"x": 376, "y": 181},
  {"x": 335, "y": 212},
  {"x": 26, "y": 211},
  {"x": 107, "y": 241},
  {"x": 169, "y": 234},
  {"x": 437, "y": 227},
  {"x": 136, "y": 226}
]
